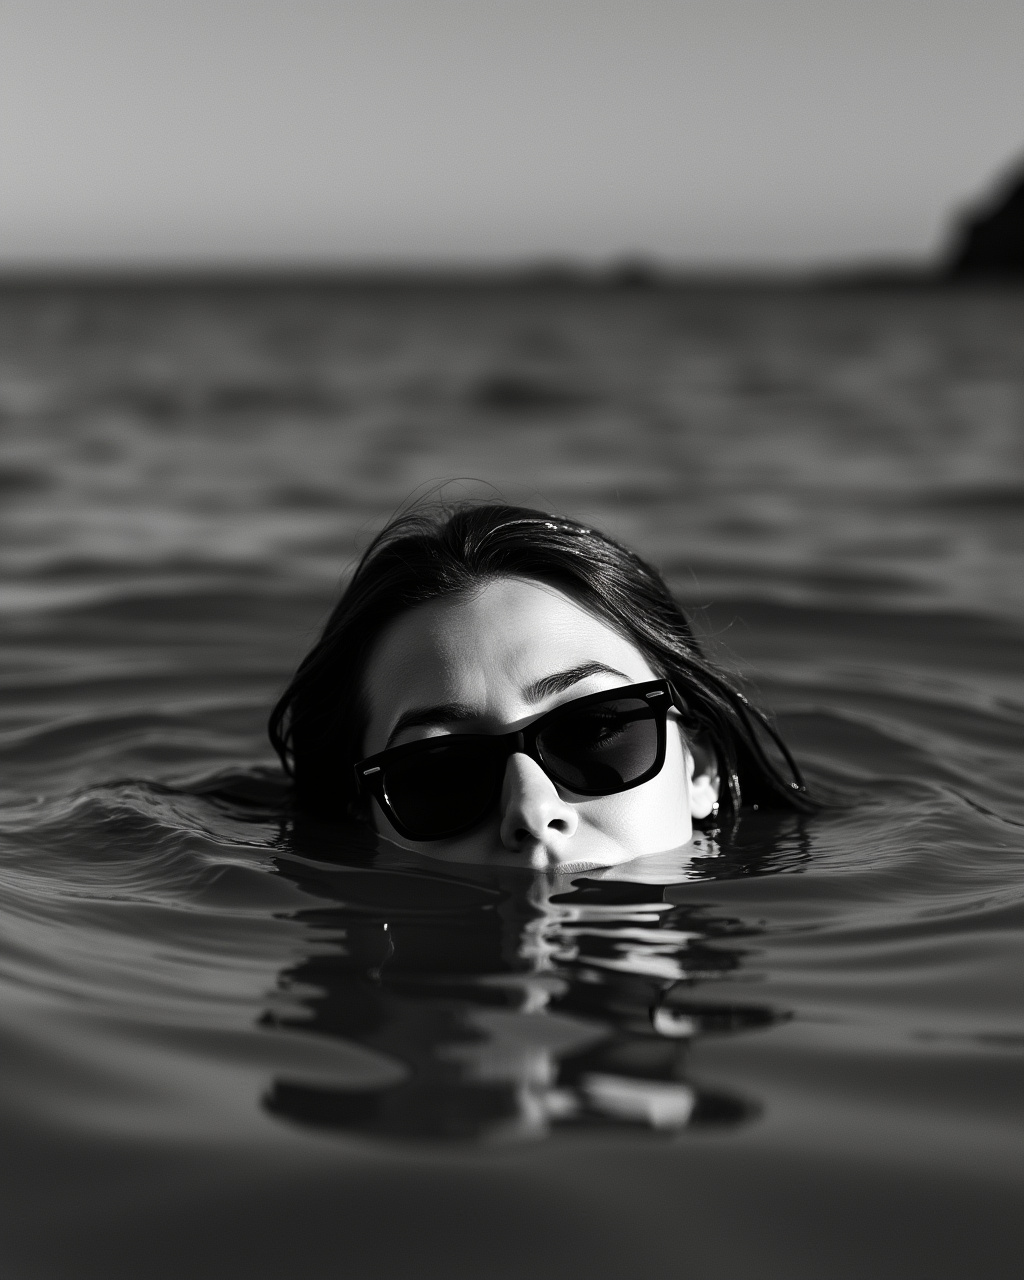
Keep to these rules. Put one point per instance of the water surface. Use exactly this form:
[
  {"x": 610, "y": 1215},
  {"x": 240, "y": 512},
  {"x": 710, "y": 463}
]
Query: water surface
[{"x": 236, "y": 1044}]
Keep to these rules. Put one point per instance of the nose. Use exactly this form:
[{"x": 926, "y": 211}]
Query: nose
[{"x": 535, "y": 820}]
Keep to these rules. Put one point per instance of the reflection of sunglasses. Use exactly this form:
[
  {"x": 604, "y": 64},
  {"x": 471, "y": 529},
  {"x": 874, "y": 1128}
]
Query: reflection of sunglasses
[{"x": 593, "y": 746}]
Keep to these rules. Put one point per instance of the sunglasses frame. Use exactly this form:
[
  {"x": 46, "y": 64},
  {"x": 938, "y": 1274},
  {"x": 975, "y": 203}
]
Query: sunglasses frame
[{"x": 371, "y": 773}]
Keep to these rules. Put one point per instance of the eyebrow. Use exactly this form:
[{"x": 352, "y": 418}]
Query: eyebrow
[
  {"x": 562, "y": 680},
  {"x": 443, "y": 713},
  {"x": 454, "y": 712}
]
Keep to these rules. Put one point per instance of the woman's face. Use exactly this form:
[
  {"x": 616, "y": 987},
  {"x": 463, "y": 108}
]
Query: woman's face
[{"x": 473, "y": 664}]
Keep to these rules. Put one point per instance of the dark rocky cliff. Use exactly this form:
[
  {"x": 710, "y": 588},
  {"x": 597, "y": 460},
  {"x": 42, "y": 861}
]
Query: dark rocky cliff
[{"x": 991, "y": 241}]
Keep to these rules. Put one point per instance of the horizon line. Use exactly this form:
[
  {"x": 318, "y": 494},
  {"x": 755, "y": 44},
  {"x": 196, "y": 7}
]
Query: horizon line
[{"x": 635, "y": 270}]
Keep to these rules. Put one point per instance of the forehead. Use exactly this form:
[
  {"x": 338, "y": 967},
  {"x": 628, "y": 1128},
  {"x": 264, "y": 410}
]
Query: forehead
[{"x": 484, "y": 648}]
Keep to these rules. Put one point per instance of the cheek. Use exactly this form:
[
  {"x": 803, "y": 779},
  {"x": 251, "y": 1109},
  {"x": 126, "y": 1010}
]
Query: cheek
[{"x": 655, "y": 815}]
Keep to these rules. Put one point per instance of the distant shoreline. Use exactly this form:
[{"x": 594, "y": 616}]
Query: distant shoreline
[{"x": 621, "y": 277}]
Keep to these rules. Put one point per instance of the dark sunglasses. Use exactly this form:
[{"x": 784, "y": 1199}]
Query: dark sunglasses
[{"x": 598, "y": 745}]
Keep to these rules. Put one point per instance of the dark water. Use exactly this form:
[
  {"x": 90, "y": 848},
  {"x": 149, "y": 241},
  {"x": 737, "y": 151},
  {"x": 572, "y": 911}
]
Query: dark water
[{"x": 232, "y": 1046}]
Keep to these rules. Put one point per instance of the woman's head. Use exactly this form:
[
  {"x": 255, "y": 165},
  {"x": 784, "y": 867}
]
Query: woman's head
[{"x": 481, "y": 618}]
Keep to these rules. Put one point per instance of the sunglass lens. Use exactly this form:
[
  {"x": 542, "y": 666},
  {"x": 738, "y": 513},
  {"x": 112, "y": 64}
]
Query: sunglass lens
[
  {"x": 443, "y": 788},
  {"x": 601, "y": 748}
]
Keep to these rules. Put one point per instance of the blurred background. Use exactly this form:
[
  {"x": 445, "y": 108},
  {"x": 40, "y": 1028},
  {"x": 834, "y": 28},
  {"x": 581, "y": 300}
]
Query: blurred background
[
  {"x": 734, "y": 280},
  {"x": 694, "y": 135}
]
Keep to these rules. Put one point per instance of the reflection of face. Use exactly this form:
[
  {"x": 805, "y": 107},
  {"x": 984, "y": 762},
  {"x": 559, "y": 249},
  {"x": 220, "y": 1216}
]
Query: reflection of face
[{"x": 466, "y": 664}]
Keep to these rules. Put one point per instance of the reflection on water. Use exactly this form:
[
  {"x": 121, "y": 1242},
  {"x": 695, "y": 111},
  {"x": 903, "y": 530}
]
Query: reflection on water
[{"x": 512, "y": 1008}]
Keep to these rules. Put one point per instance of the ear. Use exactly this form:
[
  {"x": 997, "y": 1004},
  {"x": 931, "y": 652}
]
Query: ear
[{"x": 704, "y": 779}]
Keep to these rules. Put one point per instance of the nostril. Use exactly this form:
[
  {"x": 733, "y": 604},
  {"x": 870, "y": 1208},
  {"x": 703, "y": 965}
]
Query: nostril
[{"x": 525, "y": 836}]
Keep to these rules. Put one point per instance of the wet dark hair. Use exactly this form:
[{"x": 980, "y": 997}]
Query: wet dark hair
[{"x": 317, "y": 726}]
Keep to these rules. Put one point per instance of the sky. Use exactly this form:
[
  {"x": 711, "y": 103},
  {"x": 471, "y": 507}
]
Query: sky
[{"x": 697, "y": 133}]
